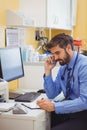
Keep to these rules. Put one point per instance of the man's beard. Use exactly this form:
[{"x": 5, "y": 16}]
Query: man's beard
[{"x": 65, "y": 60}]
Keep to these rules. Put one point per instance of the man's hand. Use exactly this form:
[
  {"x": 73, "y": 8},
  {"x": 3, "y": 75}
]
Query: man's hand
[
  {"x": 49, "y": 65},
  {"x": 46, "y": 105}
]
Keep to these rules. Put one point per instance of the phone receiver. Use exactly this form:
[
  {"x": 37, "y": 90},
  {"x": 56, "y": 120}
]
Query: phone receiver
[{"x": 54, "y": 61}]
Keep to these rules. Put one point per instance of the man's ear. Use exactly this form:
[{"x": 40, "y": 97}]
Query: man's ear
[{"x": 68, "y": 48}]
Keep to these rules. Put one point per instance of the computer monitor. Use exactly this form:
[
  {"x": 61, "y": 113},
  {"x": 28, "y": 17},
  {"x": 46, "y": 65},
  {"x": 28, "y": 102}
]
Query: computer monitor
[{"x": 11, "y": 65}]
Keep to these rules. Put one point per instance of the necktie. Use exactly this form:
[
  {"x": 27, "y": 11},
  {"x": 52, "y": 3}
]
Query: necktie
[{"x": 68, "y": 85}]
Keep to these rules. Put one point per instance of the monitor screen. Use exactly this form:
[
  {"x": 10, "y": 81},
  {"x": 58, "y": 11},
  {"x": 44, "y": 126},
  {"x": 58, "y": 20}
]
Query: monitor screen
[{"x": 11, "y": 65}]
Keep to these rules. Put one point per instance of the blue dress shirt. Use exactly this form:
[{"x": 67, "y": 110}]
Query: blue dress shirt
[{"x": 78, "y": 94}]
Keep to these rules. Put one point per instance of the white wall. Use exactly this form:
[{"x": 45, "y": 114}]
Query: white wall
[{"x": 33, "y": 78}]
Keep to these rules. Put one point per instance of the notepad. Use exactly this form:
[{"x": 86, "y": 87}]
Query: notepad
[{"x": 4, "y": 107}]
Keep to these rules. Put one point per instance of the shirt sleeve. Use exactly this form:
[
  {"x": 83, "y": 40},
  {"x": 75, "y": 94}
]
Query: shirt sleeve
[{"x": 51, "y": 87}]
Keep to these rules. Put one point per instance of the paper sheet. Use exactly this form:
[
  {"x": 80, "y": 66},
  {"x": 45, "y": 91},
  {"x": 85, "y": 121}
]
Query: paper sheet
[{"x": 6, "y": 106}]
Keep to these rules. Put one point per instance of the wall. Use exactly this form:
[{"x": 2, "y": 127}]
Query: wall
[
  {"x": 4, "y": 5},
  {"x": 80, "y": 30}
]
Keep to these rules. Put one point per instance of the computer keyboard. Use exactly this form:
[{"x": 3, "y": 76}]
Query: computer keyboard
[{"x": 28, "y": 97}]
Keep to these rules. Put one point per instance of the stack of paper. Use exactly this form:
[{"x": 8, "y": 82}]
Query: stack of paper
[{"x": 4, "y": 107}]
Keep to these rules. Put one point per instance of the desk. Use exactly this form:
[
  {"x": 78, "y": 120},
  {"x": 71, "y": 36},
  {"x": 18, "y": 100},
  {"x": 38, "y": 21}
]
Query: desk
[{"x": 34, "y": 120}]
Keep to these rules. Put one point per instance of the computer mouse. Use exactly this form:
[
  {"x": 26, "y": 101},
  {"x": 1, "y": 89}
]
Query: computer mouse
[{"x": 41, "y": 91}]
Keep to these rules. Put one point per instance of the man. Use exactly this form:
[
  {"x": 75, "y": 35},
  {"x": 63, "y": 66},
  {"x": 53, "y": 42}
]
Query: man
[{"x": 71, "y": 80}]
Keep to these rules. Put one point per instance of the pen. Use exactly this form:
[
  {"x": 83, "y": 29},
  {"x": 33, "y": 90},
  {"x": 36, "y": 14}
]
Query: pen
[{"x": 29, "y": 107}]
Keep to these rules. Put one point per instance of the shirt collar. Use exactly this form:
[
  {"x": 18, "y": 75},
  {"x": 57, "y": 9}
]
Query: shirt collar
[{"x": 71, "y": 63}]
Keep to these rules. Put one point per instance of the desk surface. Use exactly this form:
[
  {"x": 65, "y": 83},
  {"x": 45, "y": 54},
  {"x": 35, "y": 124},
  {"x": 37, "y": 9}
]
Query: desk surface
[
  {"x": 31, "y": 114},
  {"x": 37, "y": 119}
]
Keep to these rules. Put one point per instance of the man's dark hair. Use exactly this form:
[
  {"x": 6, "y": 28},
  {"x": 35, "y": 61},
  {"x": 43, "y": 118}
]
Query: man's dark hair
[{"x": 62, "y": 40}]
